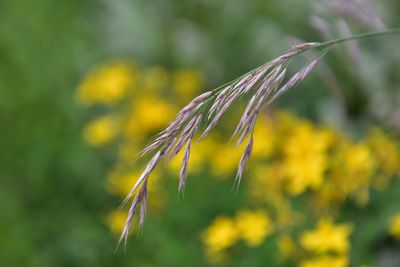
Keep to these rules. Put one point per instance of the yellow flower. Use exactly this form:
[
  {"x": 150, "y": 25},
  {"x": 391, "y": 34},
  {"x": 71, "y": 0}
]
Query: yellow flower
[
  {"x": 220, "y": 235},
  {"x": 394, "y": 228},
  {"x": 201, "y": 155},
  {"x": 149, "y": 114},
  {"x": 196, "y": 160},
  {"x": 327, "y": 238},
  {"x": 264, "y": 139},
  {"x": 253, "y": 226},
  {"x": 326, "y": 261},
  {"x": 305, "y": 172},
  {"x": 100, "y": 131},
  {"x": 305, "y": 139},
  {"x": 116, "y": 221},
  {"x": 121, "y": 183},
  {"x": 305, "y": 159},
  {"x": 187, "y": 83},
  {"x": 359, "y": 159},
  {"x": 225, "y": 160},
  {"x": 353, "y": 169},
  {"x": 106, "y": 84}
]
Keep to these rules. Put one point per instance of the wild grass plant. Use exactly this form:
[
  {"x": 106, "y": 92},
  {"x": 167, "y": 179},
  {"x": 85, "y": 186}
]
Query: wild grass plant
[
  {"x": 263, "y": 84},
  {"x": 290, "y": 161}
]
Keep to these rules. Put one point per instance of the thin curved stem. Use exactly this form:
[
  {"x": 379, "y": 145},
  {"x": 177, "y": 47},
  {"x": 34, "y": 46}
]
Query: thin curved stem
[{"x": 358, "y": 37}]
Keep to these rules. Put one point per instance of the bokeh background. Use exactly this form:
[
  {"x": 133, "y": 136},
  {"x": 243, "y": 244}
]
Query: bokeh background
[{"x": 85, "y": 84}]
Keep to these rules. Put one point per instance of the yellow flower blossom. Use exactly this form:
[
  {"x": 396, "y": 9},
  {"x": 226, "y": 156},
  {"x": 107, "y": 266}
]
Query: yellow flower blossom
[
  {"x": 225, "y": 160},
  {"x": 353, "y": 170},
  {"x": 197, "y": 160},
  {"x": 394, "y": 228},
  {"x": 264, "y": 139},
  {"x": 359, "y": 159},
  {"x": 327, "y": 237},
  {"x": 326, "y": 261},
  {"x": 305, "y": 158},
  {"x": 121, "y": 183},
  {"x": 187, "y": 83},
  {"x": 116, "y": 221},
  {"x": 253, "y": 226},
  {"x": 305, "y": 139},
  {"x": 305, "y": 172},
  {"x": 220, "y": 235},
  {"x": 201, "y": 154},
  {"x": 106, "y": 84},
  {"x": 100, "y": 131},
  {"x": 149, "y": 114}
]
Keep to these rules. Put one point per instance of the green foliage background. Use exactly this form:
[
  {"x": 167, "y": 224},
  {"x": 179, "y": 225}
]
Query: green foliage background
[{"x": 53, "y": 201}]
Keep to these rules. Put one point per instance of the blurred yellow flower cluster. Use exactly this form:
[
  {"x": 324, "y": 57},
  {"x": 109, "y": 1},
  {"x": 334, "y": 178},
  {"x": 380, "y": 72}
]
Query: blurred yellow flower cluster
[
  {"x": 328, "y": 243},
  {"x": 250, "y": 226},
  {"x": 318, "y": 168},
  {"x": 294, "y": 163},
  {"x": 107, "y": 84},
  {"x": 138, "y": 103},
  {"x": 327, "y": 238},
  {"x": 326, "y": 261},
  {"x": 100, "y": 131},
  {"x": 322, "y": 161}
]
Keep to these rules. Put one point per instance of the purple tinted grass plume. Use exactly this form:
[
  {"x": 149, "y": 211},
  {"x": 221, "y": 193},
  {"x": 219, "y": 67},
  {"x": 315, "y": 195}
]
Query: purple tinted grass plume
[{"x": 260, "y": 86}]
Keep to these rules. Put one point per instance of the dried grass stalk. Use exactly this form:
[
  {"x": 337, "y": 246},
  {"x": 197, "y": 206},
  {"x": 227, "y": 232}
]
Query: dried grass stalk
[
  {"x": 263, "y": 85},
  {"x": 243, "y": 161},
  {"x": 184, "y": 167}
]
